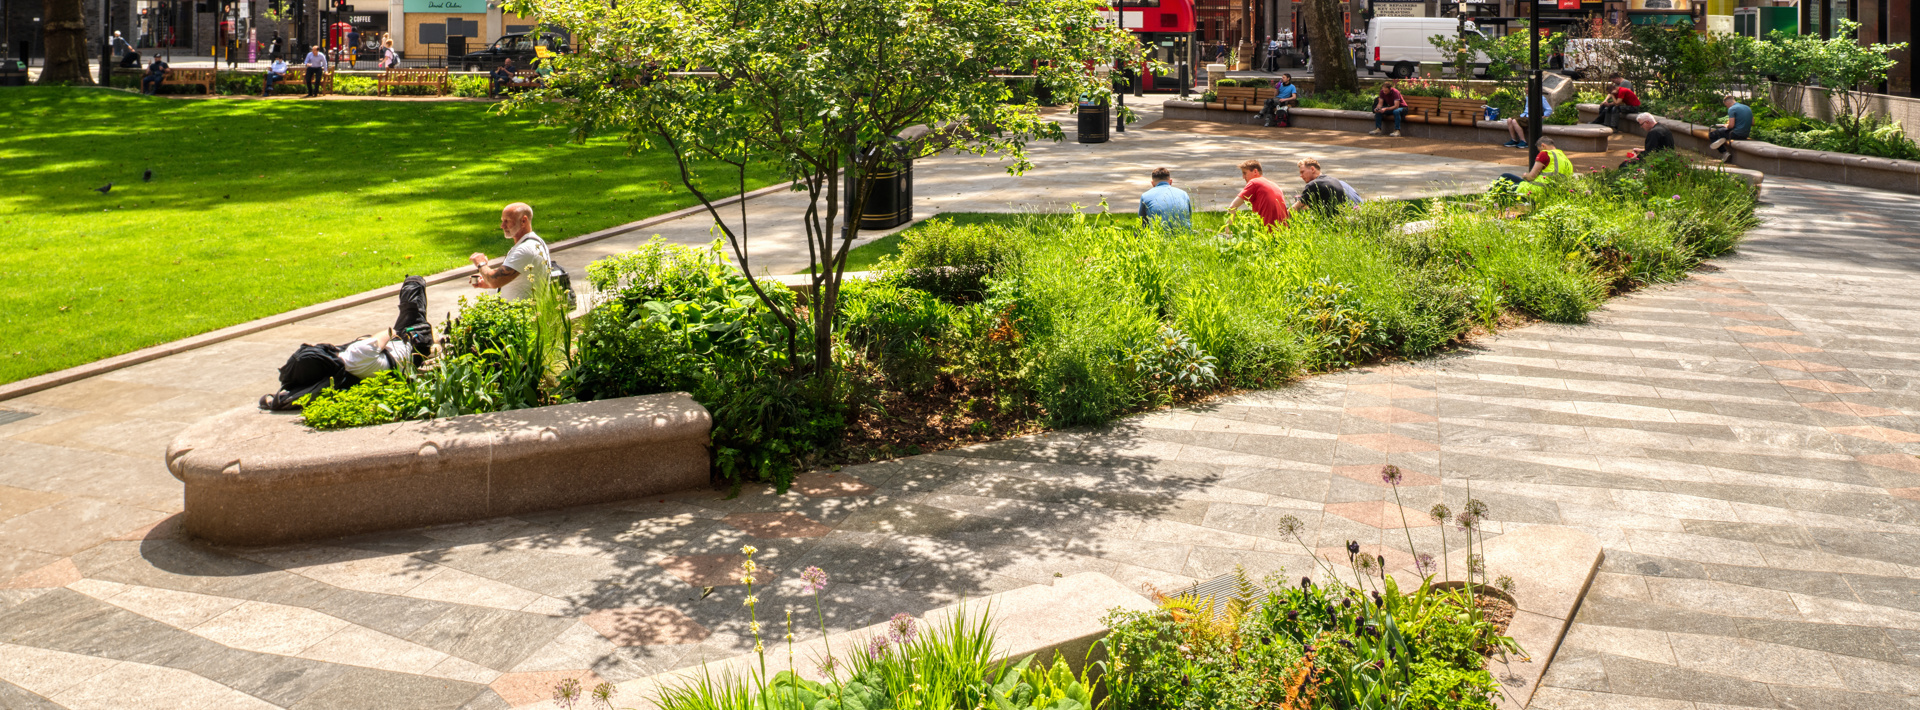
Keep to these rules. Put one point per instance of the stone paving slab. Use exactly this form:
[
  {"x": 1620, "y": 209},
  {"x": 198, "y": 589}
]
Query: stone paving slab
[{"x": 1761, "y": 545}]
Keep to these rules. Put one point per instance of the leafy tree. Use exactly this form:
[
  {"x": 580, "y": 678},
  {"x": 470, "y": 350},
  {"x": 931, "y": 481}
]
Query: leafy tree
[
  {"x": 66, "y": 43},
  {"x": 1841, "y": 64},
  {"x": 826, "y": 92},
  {"x": 1508, "y": 57},
  {"x": 1333, "y": 68},
  {"x": 1684, "y": 66}
]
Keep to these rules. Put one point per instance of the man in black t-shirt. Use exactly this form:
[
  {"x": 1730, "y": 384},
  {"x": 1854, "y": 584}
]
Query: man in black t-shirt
[
  {"x": 1658, "y": 139},
  {"x": 1322, "y": 192}
]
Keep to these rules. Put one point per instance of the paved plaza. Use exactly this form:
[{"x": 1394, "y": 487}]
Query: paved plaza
[{"x": 1741, "y": 443}]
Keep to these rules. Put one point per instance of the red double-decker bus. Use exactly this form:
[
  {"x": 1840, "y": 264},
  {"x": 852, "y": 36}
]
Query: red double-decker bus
[{"x": 1165, "y": 28}]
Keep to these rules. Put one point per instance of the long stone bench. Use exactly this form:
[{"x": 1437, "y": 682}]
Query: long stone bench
[
  {"x": 256, "y": 478},
  {"x": 1843, "y": 168},
  {"x": 1581, "y": 138}
]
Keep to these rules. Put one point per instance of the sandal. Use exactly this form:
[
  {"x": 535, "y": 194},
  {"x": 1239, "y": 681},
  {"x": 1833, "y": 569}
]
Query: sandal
[{"x": 266, "y": 402}]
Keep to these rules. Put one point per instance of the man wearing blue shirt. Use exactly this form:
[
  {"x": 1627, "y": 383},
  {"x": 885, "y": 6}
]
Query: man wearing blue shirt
[
  {"x": 1738, "y": 126},
  {"x": 1165, "y": 203},
  {"x": 1517, "y": 127},
  {"x": 1284, "y": 97}
]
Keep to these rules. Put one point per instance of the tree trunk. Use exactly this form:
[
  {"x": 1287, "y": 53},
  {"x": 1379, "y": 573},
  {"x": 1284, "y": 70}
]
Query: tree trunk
[
  {"x": 65, "y": 43},
  {"x": 1332, "y": 60}
]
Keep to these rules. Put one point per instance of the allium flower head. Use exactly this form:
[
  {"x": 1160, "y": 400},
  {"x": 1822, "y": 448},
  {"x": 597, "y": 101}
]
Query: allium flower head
[
  {"x": 815, "y": 578},
  {"x": 901, "y": 628},
  {"x": 1390, "y": 475},
  {"x": 1440, "y": 513},
  {"x": 1466, "y": 520},
  {"x": 1476, "y": 508},
  {"x": 877, "y": 646},
  {"x": 1291, "y": 525},
  {"x": 827, "y": 666},
  {"x": 1365, "y": 563},
  {"x": 1505, "y": 584},
  {"x": 1424, "y": 564}
]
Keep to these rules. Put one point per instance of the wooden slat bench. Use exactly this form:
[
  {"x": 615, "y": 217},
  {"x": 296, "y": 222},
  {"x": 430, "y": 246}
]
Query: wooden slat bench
[
  {"x": 1463, "y": 112},
  {"x": 202, "y": 78},
  {"x": 532, "y": 80},
  {"x": 436, "y": 78},
  {"x": 297, "y": 80},
  {"x": 1422, "y": 109},
  {"x": 1242, "y": 98}
]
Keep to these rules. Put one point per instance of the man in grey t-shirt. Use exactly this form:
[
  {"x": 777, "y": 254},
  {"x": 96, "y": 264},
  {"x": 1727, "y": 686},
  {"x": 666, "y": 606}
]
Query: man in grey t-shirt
[{"x": 528, "y": 256}]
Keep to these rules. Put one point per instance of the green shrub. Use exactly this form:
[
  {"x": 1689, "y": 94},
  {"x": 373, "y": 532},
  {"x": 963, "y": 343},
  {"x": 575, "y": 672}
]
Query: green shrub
[
  {"x": 951, "y": 261},
  {"x": 896, "y": 328},
  {"x": 380, "y": 399},
  {"x": 1224, "y": 83}
]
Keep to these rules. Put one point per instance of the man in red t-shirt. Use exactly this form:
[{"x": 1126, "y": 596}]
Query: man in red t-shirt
[
  {"x": 1621, "y": 102},
  {"x": 1261, "y": 194}
]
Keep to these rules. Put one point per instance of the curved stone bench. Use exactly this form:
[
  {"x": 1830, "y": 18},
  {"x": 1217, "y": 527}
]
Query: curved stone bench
[
  {"x": 257, "y": 478},
  {"x": 1579, "y": 138},
  {"x": 1843, "y": 168}
]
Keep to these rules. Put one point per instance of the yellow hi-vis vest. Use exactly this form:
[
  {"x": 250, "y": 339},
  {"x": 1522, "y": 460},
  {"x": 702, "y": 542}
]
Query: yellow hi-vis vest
[{"x": 1558, "y": 166}]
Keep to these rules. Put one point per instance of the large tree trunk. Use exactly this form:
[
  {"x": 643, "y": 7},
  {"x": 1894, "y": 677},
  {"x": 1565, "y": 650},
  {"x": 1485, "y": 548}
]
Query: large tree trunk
[
  {"x": 1332, "y": 60},
  {"x": 66, "y": 44}
]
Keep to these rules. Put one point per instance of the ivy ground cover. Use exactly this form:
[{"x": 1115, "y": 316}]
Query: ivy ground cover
[{"x": 259, "y": 207}]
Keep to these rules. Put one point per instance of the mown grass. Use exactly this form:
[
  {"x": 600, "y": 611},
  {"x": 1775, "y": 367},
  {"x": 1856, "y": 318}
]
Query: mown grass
[{"x": 259, "y": 207}]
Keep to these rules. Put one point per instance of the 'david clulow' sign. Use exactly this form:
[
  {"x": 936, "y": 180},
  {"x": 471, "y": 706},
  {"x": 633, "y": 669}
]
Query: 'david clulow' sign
[{"x": 451, "y": 6}]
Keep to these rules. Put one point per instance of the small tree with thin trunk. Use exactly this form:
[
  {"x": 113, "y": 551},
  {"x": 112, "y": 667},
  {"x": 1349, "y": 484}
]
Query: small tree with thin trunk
[
  {"x": 824, "y": 92},
  {"x": 65, "y": 43}
]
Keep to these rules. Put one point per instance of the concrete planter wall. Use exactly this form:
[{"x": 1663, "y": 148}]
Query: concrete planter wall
[
  {"x": 1573, "y": 139},
  {"x": 255, "y": 478},
  {"x": 1843, "y": 168}
]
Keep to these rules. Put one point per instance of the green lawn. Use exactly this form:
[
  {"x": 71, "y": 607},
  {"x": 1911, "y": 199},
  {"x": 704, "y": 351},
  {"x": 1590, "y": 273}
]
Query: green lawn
[{"x": 259, "y": 207}]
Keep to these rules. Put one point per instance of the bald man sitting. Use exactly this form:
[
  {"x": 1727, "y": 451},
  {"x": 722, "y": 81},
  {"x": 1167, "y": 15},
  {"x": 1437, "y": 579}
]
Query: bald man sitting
[{"x": 529, "y": 251}]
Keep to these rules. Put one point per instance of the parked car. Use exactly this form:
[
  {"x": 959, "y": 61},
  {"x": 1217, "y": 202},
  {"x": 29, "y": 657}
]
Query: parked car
[
  {"x": 1396, "y": 46},
  {"x": 520, "y": 47}
]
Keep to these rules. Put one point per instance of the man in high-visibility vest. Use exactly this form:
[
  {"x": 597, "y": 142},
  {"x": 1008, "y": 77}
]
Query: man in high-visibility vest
[{"x": 1550, "y": 165}]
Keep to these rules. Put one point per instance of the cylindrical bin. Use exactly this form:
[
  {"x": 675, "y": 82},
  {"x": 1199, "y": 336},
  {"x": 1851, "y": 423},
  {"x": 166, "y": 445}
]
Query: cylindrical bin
[
  {"x": 1094, "y": 117},
  {"x": 889, "y": 199}
]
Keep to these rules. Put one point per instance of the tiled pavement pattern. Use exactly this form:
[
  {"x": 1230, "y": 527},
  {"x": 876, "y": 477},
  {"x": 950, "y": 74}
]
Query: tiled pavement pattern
[{"x": 1741, "y": 443}]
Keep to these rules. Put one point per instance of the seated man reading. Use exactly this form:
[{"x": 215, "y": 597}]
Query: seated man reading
[
  {"x": 500, "y": 79},
  {"x": 156, "y": 74},
  {"x": 276, "y": 73},
  {"x": 1658, "y": 139}
]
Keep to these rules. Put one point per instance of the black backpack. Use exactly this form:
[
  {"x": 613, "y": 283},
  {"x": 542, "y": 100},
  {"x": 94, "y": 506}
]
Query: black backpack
[{"x": 310, "y": 369}]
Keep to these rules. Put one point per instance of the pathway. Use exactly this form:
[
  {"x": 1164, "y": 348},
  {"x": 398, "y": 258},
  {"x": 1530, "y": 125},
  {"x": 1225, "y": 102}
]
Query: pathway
[{"x": 1742, "y": 443}]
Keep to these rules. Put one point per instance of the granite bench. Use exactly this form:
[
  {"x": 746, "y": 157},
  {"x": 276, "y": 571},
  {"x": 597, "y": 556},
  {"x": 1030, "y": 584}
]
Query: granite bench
[
  {"x": 1844, "y": 168},
  {"x": 1572, "y": 139},
  {"x": 259, "y": 478}
]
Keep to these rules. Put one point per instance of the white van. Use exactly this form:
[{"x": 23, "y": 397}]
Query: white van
[{"x": 1397, "y": 45}]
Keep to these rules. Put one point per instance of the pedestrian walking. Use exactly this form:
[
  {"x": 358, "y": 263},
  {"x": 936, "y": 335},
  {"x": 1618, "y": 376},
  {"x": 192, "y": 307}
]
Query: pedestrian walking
[
  {"x": 388, "y": 58},
  {"x": 273, "y": 46},
  {"x": 316, "y": 68},
  {"x": 353, "y": 47}
]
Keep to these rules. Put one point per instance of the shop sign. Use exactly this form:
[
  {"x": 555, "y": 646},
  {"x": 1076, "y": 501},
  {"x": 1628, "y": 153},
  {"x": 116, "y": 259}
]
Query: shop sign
[
  {"x": 451, "y": 6},
  {"x": 1383, "y": 8}
]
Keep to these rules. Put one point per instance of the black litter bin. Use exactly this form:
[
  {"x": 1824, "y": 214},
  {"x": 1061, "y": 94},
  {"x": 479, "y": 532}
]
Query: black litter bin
[
  {"x": 12, "y": 73},
  {"x": 1094, "y": 118},
  {"x": 889, "y": 200}
]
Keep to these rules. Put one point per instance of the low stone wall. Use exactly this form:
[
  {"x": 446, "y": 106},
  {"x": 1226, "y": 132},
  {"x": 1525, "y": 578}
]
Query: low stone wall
[
  {"x": 1843, "y": 168},
  {"x": 257, "y": 478},
  {"x": 1572, "y": 139}
]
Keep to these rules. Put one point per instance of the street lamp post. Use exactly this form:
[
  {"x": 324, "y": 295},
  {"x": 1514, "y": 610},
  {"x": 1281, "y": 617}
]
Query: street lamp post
[
  {"x": 106, "y": 42},
  {"x": 1533, "y": 84}
]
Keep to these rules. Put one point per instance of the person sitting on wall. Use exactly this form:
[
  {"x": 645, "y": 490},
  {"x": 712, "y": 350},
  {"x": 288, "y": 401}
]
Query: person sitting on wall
[
  {"x": 1517, "y": 127},
  {"x": 1388, "y": 103},
  {"x": 1658, "y": 139},
  {"x": 156, "y": 74},
  {"x": 1621, "y": 102},
  {"x": 1279, "y": 107},
  {"x": 1738, "y": 126}
]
